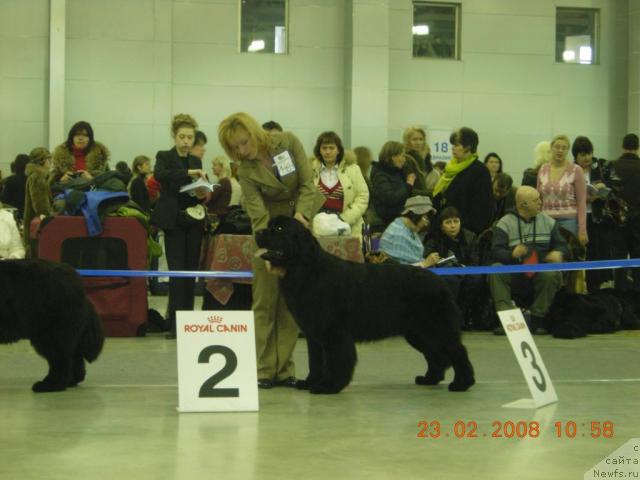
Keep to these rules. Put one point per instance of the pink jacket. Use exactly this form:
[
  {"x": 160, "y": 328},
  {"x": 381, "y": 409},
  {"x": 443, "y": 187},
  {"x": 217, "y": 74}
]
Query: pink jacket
[{"x": 566, "y": 198}]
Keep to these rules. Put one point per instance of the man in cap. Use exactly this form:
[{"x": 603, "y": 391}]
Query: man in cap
[{"x": 401, "y": 240}]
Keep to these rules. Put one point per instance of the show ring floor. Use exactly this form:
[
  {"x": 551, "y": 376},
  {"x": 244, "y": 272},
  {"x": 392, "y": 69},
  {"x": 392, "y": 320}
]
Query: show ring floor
[{"x": 121, "y": 423}]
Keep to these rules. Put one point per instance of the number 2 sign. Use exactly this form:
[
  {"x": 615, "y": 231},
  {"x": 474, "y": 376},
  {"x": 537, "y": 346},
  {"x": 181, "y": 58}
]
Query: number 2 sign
[
  {"x": 216, "y": 361},
  {"x": 529, "y": 360}
]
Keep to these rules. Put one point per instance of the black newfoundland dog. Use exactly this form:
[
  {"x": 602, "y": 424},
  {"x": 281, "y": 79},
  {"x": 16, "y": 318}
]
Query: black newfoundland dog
[
  {"x": 337, "y": 303},
  {"x": 45, "y": 302}
]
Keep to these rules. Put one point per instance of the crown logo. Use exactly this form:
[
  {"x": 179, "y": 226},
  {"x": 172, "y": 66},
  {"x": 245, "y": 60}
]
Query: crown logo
[{"x": 215, "y": 319}]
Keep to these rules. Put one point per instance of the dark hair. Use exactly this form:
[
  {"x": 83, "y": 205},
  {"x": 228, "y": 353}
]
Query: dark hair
[
  {"x": 630, "y": 142},
  {"x": 581, "y": 145},
  {"x": 326, "y": 138},
  {"x": 493, "y": 154},
  {"x": 503, "y": 181},
  {"x": 466, "y": 137},
  {"x": 440, "y": 164},
  {"x": 447, "y": 213},
  {"x": 389, "y": 150},
  {"x": 199, "y": 138},
  {"x": 77, "y": 128},
  {"x": 122, "y": 167},
  {"x": 20, "y": 163},
  {"x": 272, "y": 125}
]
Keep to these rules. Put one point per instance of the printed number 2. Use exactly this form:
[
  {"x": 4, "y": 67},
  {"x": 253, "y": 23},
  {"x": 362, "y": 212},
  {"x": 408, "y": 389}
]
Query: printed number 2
[
  {"x": 208, "y": 390},
  {"x": 542, "y": 383}
]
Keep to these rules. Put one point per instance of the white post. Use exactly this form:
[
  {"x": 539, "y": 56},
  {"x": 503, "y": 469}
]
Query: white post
[{"x": 57, "y": 34}]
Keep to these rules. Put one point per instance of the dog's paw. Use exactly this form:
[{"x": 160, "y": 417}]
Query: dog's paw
[
  {"x": 429, "y": 379},
  {"x": 44, "y": 386},
  {"x": 461, "y": 386},
  {"x": 324, "y": 389}
]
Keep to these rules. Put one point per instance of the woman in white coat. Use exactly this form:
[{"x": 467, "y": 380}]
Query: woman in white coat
[
  {"x": 11, "y": 246},
  {"x": 338, "y": 177}
]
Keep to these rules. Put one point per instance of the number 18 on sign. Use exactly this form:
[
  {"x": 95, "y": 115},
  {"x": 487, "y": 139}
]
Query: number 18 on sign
[{"x": 216, "y": 361}]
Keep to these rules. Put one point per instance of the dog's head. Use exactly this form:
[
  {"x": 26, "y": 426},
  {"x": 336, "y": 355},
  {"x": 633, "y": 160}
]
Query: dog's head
[{"x": 286, "y": 242}]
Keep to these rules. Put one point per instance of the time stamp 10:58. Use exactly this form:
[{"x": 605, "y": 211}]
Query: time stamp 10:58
[{"x": 514, "y": 429}]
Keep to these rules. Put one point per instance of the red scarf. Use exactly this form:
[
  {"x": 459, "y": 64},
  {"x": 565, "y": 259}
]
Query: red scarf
[{"x": 80, "y": 158}]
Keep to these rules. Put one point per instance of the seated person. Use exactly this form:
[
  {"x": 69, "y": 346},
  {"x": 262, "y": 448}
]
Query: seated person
[
  {"x": 400, "y": 240},
  {"x": 452, "y": 240},
  {"x": 10, "y": 242},
  {"x": 504, "y": 195},
  {"x": 527, "y": 236}
]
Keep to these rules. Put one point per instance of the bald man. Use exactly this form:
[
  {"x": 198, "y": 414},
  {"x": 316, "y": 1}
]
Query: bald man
[{"x": 526, "y": 236}]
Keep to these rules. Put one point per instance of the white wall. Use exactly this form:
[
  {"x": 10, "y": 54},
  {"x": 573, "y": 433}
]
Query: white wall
[
  {"x": 132, "y": 64},
  {"x": 507, "y": 85},
  {"x": 24, "y": 57}
]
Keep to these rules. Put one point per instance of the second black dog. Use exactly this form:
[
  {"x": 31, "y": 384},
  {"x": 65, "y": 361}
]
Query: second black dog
[
  {"x": 46, "y": 303},
  {"x": 337, "y": 302}
]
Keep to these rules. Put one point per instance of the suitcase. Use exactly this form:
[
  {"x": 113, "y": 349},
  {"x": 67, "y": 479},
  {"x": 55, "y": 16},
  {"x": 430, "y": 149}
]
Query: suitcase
[{"x": 121, "y": 302}]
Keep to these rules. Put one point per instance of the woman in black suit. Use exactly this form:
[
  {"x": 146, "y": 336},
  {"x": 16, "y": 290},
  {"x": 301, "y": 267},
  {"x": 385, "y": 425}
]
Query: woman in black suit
[{"x": 175, "y": 214}]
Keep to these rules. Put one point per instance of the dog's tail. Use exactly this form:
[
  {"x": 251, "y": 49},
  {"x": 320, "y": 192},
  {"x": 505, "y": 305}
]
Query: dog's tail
[{"x": 93, "y": 336}]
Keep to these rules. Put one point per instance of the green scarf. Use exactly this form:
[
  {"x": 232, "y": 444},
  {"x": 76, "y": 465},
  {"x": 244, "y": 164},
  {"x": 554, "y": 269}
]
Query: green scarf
[{"x": 452, "y": 169}]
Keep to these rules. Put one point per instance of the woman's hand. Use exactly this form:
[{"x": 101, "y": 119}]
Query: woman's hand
[
  {"x": 583, "y": 239},
  {"x": 197, "y": 172},
  {"x": 411, "y": 179},
  {"x": 66, "y": 177},
  {"x": 431, "y": 260},
  {"x": 298, "y": 216},
  {"x": 84, "y": 174}
]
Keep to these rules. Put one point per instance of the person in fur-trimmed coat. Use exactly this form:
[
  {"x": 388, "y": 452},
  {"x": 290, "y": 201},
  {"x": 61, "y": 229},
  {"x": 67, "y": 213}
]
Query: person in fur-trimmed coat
[
  {"x": 337, "y": 176},
  {"x": 37, "y": 199},
  {"x": 80, "y": 155}
]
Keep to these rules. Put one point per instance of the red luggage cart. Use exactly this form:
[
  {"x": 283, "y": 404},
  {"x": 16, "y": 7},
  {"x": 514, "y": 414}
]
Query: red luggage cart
[{"x": 120, "y": 301}]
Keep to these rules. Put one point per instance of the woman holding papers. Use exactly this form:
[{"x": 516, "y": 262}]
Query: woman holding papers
[
  {"x": 180, "y": 214},
  {"x": 276, "y": 179}
]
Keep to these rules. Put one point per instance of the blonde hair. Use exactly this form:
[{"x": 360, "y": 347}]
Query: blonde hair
[
  {"x": 561, "y": 137},
  {"x": 225, "y": 163},
  {"x": 541, "y": 154},
  {"x": 408, "y": 133},
  {"x": 183, "y": 120},
  {"x": 231, "y": 125}
]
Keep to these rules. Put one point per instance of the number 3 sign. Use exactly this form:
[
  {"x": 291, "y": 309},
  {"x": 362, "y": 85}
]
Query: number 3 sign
[
  {"x": 216, "y": 362},
  {"x": 529, "y": 360}
]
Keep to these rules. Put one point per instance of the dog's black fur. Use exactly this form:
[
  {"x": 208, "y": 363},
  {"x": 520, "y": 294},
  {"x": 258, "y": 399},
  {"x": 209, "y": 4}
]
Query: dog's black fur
[
  {"x": 45, "y": 302},
  {"x": 573, "y": 315},
  {"x": 337, "y": 302}
]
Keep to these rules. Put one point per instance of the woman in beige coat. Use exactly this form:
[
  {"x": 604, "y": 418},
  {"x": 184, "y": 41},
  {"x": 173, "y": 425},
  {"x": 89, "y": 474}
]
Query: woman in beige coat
[
  {"x": 338, "y": 177},
  {"x": 276, "y": 179}
]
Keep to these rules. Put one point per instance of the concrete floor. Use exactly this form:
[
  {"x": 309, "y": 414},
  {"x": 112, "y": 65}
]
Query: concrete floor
[{"x": 122, "y": 421}]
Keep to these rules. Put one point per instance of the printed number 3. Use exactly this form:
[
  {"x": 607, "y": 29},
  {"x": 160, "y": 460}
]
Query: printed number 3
[
  {"x": 541, "y": 384},
  {"x": 208, "y": 390}
]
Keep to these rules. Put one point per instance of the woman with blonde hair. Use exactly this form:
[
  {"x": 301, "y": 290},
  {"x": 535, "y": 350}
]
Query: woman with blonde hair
[
  {"x": 227, "y": 193},
  {"x": 541, "y": 155},
  {"x": 563, "y": 189},
  {"x": 179, "y": 214},
  {"x": 276, "y": 179},
  {"x": 416, "y": 147}
]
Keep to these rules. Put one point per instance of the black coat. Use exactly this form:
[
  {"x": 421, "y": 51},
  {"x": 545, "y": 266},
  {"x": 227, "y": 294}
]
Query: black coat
[
  {"x": 627, "y": 170},
  {"x": 390, "y": 191},
  {"x": 13, "y": 192},
  {"x": 472, "y": 194},
  {"x": 464, "y": 247},
  {"x": 171, "y": 171},
  {"x": 138, "y": 193}
]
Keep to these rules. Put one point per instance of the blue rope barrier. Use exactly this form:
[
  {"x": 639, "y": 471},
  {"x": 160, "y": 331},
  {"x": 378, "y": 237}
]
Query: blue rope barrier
[{"x": 488, "y": 270}]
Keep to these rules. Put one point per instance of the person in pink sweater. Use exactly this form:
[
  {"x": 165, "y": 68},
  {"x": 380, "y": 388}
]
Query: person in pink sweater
[{"x": 562, "y": 185}]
